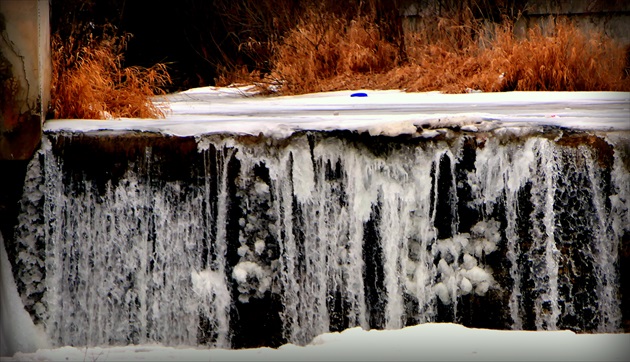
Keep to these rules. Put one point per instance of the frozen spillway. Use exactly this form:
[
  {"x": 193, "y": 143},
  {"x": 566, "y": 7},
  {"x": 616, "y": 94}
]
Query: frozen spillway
[
  {"x": 128, "y": 238},
  {"x": 209, "y": 110}
]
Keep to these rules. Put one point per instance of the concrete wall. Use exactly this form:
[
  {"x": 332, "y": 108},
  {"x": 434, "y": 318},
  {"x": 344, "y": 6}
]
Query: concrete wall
[
  {"x": 609, "y": 17},
  {"x": 25, "y": 74},
  {"x": 612, "y": 18}
]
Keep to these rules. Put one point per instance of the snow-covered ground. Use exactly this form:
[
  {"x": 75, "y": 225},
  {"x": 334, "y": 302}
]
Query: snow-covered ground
[
  {"x": 426, "y": 342},
  {"x": 232, "y": 110},
  {"x": 239, "y": 111}
]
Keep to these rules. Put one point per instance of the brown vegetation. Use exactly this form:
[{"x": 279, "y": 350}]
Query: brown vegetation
[
  {"x": 89, "y": 80},
  {"x": 325, "y": 53},
  {"x": 564, "y": 60}
]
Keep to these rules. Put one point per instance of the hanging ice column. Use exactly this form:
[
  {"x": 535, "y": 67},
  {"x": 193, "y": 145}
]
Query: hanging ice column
[{"x": 253, "y": 241}]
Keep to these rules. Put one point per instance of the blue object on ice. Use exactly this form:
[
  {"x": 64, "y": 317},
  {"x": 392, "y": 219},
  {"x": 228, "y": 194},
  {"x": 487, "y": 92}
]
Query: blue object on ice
[{"x": 359, "y": 94}]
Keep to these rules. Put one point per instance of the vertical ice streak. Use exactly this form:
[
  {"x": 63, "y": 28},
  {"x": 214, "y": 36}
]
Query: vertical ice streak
[
  {"x": 517, "y": 173},
  {"x": 453, "y": 197},
  {"x": 222, "y": 295},
  {"x": 52, "y": 207},
  {"x": 358, "y": 209},
  {"x": 210, "y": 285},
  {"x": 394, "y": 241},
  {"x": 418, "y": 263},
  {"x": 551, "y": 252},
  {"x": 320, "y": 224},
  {"x": 546, "y": 265},
  {"x": 606, "y": 247},
  {"x": 394, "y": 216},
  {"x": 302, "y": 272},
  {"x": 288, "y": 257},
  {"x": 511, "y": 206}
]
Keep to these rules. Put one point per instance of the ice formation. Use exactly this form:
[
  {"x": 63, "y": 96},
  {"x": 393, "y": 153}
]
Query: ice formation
[{"x": 290, "y": 239}]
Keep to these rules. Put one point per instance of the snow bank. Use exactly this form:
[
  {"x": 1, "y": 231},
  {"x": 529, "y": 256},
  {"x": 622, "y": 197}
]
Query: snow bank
[
  {"x": 426, "y": 342},
  {"x": 17, "y": 331}
]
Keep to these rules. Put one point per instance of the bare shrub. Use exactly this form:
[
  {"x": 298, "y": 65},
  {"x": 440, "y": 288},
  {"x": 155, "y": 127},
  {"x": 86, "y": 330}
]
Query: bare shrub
[
  {"x": 90, "y": 82},
  {"x": 324, "y": 50}
]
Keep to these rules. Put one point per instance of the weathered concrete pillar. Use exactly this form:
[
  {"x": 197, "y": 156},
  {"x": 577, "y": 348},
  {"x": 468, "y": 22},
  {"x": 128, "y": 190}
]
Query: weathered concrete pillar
[{"x": 25, "y": 74}]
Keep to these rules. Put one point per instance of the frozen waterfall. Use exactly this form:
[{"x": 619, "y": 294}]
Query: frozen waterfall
[{"x": 250, "y": 241}]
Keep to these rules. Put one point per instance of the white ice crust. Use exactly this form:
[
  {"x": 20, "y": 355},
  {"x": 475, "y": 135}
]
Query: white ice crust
[
  {"x": 425, "y": 342},
  {"x": 213, "y": 110}
]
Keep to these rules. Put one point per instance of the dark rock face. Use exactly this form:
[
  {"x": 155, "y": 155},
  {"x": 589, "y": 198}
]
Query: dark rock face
[{"x": 248, "y": 241}]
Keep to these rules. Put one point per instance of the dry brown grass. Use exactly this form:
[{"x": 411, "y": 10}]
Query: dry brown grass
[
  {"x": 90, "y": 82},
  {"x": 325, "y": 53},
  {"x": 567, "y": 60}
]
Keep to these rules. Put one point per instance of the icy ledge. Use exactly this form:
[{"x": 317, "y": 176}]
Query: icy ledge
[{"x": 212, "y": 110}]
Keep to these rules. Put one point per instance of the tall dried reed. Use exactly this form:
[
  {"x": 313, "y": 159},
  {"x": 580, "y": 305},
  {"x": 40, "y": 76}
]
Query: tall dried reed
[
  {"x": 90, "y": 82},
  {"x": 323, "y": 51},
  {"x": 566, "y": 60},
  {"x": 326, "y": 53}
]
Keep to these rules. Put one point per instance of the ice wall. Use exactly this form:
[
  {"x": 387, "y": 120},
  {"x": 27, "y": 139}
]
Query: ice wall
[{"x": 248, "y": 241}]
